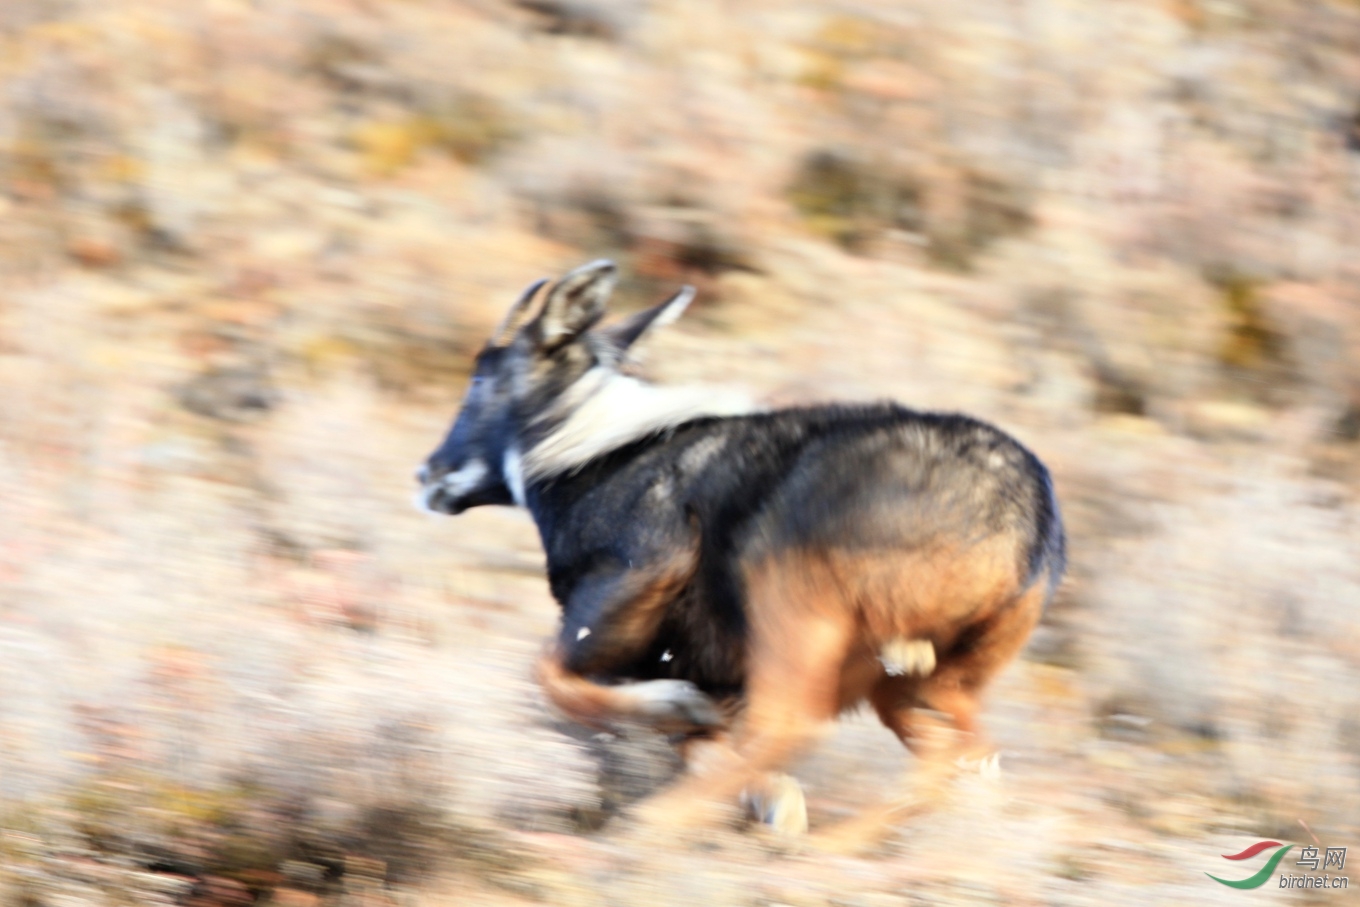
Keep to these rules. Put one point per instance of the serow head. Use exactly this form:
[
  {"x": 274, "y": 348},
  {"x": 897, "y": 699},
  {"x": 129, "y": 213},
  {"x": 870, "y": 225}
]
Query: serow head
[{"x": 530, "y": 374}]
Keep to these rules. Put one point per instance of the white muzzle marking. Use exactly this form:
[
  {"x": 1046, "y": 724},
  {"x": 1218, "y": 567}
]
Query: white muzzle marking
[
  {"x": 455, "y": 484},
  {"x": 461, "y": 481}
]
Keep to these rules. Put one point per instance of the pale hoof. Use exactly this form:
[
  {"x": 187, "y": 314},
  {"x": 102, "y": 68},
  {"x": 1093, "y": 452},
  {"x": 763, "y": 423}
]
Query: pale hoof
[
  {"x": 988, "y": 767},
  {"x": 779, "y": 804}
]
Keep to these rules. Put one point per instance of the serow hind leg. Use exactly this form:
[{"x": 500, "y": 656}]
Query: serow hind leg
[
  {"x": 936, "y": 718},
  {"x": 933, "y": 740}
]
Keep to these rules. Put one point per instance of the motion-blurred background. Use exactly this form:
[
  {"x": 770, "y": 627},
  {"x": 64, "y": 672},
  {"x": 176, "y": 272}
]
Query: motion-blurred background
[{"x": 246, "y": 250}]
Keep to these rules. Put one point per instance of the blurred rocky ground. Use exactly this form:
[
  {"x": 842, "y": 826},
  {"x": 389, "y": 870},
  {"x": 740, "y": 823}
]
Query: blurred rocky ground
[{"x": 247, "y": 246}]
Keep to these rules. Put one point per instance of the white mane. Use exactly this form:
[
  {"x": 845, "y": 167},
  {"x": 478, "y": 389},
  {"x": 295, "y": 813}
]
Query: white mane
[{"x": 606, "y": 410}]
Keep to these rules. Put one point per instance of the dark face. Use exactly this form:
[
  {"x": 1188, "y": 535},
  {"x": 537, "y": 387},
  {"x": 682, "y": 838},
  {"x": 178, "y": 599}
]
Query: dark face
[
  {"x": 521, "y": 382},
  {"x": 468, "y": 468}
]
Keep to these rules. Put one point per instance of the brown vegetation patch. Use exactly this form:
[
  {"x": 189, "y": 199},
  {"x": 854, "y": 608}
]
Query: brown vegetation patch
[{"x": 954, "y": 213}]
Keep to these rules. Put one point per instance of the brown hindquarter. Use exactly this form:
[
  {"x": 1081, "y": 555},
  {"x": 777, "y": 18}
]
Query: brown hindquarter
[{"x": 818, "y": 622}]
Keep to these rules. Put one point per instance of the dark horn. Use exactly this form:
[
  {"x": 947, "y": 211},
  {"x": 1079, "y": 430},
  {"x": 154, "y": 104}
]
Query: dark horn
[{"x": 516, "y": 316}]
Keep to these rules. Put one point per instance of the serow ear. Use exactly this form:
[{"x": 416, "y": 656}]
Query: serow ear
[
  {"x": 635, "y": 327},
  {"x": 575, "y": 303}
]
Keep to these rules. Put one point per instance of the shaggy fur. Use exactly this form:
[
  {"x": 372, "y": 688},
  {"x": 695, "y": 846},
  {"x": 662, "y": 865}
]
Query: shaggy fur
[{"x": 605, "y": 410}]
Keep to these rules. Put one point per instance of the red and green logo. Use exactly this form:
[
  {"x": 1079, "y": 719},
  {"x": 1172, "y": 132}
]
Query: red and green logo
[{"x": 1259, "y": 879}]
